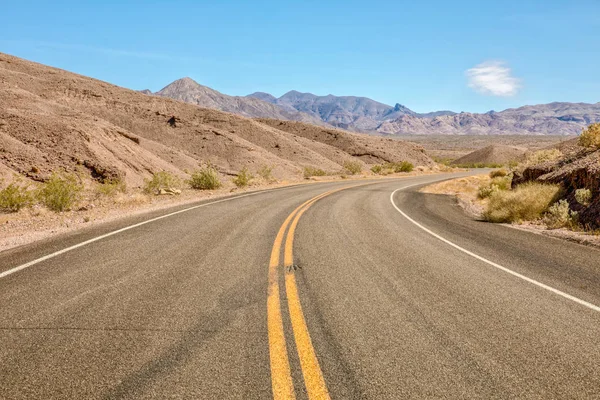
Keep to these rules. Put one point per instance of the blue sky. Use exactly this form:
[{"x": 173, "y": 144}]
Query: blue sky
[{"x": 428, "y": 55}]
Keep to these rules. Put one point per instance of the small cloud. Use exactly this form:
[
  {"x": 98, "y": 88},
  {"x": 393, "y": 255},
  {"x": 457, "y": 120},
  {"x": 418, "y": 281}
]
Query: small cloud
[{"x": 493, "y": 78}]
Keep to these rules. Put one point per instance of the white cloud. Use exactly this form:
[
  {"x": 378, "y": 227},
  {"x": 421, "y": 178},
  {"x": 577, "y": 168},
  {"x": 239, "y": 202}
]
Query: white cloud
[{"x": 493, "y": 78}]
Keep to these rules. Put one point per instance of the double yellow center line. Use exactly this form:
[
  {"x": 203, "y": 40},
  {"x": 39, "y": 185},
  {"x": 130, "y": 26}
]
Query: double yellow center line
[{"x": 281, "y": 378}]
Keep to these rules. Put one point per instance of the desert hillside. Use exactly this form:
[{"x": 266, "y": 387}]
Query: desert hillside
[{"x": 52, "y": 119}]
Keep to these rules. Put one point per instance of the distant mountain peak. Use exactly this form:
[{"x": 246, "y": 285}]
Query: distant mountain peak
[{"x": 264, "y": 97}]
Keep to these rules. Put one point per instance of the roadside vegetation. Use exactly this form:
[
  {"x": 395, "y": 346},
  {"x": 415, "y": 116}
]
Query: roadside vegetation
[
  {"x": 112, "y": 187},
  {"x": 15, "y": 196},
  {"x": 478, "y": 165},
  {"x": 243, "y": 178},
  {"x": 353, "y": 167},
  {"x": 60, "y": 192},
  {"x": 590, "y": 137},
  {"x": 162, "y": 182},
  {"x": 206, "y": 178},
  {"x": 266, "y": 173},
  {"x": 309, "y": 172},
  {"x": 392, "y": 168},
  {"x": 527, "y": 202}
]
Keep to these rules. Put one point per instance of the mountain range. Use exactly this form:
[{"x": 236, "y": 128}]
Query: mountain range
[{"x": 361, "y": 114}]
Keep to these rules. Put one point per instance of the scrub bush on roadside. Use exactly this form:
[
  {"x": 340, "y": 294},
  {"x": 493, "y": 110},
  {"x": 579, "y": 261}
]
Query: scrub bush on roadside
[
  {"x": 206, "y": 178},
  {"x": 402, "y": 166},
  {"x": 353, "y": 167},
  {"x": 266, "y": 172},
  {"x": 376, "y": 169},
  {"x": 161, "y": 180},
  {"x": 60, "y": 193},
  {"x": 313, "y": 171},
  {"x": 15, "y": 197},
  {"x": 527, "y": 202},
  {"x": 498, "y": 173},
  {"x": 496, "y": 184},
  {"x": 112, "y": 187},
  {"x": 559, "y": 215},
  {"x": 243, "y": 178}
]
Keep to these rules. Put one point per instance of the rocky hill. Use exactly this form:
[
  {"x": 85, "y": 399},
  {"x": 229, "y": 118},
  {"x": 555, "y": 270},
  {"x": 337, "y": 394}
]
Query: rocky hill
[
  {"x": 364, "y": 115},
  {"x": 493, "y": 154},
  {"x": 544, "y": 119},
  {"x": 51, "y": 120},
  {"x": 188, "y": 90}
]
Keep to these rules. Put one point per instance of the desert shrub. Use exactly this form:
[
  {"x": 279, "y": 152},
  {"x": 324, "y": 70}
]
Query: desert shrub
[
  {"x": 402, "y": 166},
  {"x": 559, "y": 215},
  {"x": 376, "y": 169},
  {"x": 112, "y": 187},
  {"x": 543, "y": 156},
  {"x": 243, "y": 178},
  {"x": 206, "y": 178},
  {"x": 353, "y": 167},
  {"x": 161, "y": 180},
  {"x": 312, "y": 171},
  {"x": 503, "y": 183},
  {"x": 498, "y": 173},
  {"x": 513, "y": 164},
  {"x": 590, "y": 137},
  {"x": 526, "y": 202},
  {"x": 266, "y": 172},
  {"x": 60, "y": 193},
  {"x": 478, "y": 165},
  {"x": 486, "y": 191},
  {"x": 15, "y": 197},
  {"x": 583, "y": 196},
  {"x": 496, "y": 184}
]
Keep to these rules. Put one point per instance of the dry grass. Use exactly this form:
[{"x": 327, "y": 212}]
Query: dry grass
[{"x": 527, "y": 202}]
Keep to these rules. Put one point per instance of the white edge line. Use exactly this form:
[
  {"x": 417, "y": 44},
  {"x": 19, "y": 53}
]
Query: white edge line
[
  {"x": 493, "y": 264},
  {"x": 65, "y": 250}
]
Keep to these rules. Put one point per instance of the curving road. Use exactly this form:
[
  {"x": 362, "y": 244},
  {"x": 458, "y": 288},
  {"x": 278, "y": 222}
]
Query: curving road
[{"x": 344, "y": 290}]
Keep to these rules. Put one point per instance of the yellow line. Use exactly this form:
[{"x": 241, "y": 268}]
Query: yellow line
[
  {"x": 281, "y": 378},
  {"x": 311, "y": 371}
]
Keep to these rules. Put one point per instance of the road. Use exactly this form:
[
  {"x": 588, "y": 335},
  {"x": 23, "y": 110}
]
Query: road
[{"x": 371, "y": 290}]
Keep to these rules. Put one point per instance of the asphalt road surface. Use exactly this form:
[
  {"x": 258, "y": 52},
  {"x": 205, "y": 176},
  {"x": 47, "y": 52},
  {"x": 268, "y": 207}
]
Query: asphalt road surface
[{"x": 371, "y": 290}]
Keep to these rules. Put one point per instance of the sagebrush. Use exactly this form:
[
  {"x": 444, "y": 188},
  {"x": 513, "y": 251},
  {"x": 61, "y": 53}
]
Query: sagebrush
[
  {"x": 15, "y": 197},
  {"x": 402, "y": 166},
  {"x": 161, "y": 180},
  {"x": 60, "y": 192},
  {"x": 206, "y": 178},
  {"x": 243, "y": 178},
  {"x": 112, "y": 186},
  {"x": 266, "y": 172},
  {"x": 583, "y": 196},
  {"x": 353, "y": 167},
  {"x": 496, "y": 184},
  {"x": 560, "y": 215},
  {"x": 313, "y": 171}
]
